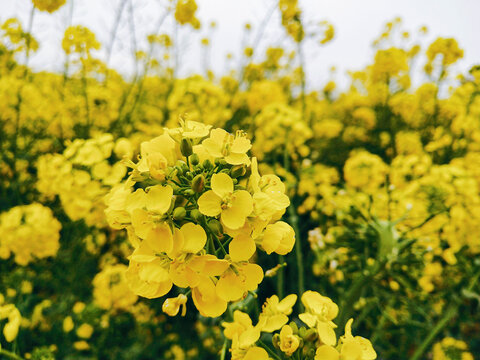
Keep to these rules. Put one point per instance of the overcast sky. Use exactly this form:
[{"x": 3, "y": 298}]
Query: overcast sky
[{"x": 357, "y": 23}]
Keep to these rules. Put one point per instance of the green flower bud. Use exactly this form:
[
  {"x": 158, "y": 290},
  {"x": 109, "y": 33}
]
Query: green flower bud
[
  {"x": 294, "y": 327},
  {"x": 186, "y": 147},
  {"x": 196, "y": 215},
  {"x": 194, "y": 160},
  {"x": 179, "y": 213},
  {"x": 216, "y": 227},
  {"x": 189, "y": 192},
  {"x": 310, "y": 335},
  {"x": 276, "y": 341},
  {"x": 207, "y": 165},
  {"x": 237, "y": 171},
  {"x": 198, "y": 183}
]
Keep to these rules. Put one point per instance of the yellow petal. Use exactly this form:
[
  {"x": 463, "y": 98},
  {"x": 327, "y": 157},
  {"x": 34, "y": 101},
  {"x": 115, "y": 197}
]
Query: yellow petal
[
  {"x": 210, "y": 204},
  {"x": 285, "y": 306},
  {"x": 241, "y": 248},
  {"x": 160, "y": 238},
  {"x": 135, "y": 200},
  {"x": 253, "y": 276},
  {"x": 230, "y": 287},
  {"x": 206, "y": 300},
  {"x": 235, "y": 216},
  {"x": 326, "y": 352},
  {"x": 141, "y": 223},
  {"x": 274, "y": 322},
  {"x": 237, "y": 159},
  {"x": 256, "y": 353},
  {"x": 194, "y": 238},
  {"x": 326, "y": 333},
  {"x": 241, "y": 145},
  {"x": 222, "y": 184},
  {"x": 159, "y": 198}
]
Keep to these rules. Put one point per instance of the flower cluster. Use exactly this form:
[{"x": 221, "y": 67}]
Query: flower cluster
[
  {"x": 29, "y": 232},
  {"x": 316, "y": 340},
  {"x": 196, "y": 209}
]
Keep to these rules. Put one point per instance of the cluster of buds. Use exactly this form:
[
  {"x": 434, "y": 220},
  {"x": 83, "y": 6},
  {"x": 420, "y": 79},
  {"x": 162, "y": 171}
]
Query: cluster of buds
[{"x": 196, "y": 210}]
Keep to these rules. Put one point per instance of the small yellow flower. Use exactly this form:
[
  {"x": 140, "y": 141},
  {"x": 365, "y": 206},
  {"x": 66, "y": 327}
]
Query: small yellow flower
[
  {"x": 288, "y": 341},
  {"x": 171, "y": 306},
  {"x": 234, "y": 149},
  {"x": 274, "y": 312},
  {"x": 85, "y": 331},
  {"x": 233, "y": 206}
]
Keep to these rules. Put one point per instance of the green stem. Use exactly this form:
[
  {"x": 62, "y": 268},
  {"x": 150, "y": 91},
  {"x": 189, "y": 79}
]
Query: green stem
[
  {"x": 10, "y": 355},
  {"x": 298, "y": 249},
  {"x": 269, "y": 350},
  {"x": 280, "y": 277},
  {"x": 447, "y": 317},
  {"x": 224, "y": 350}
]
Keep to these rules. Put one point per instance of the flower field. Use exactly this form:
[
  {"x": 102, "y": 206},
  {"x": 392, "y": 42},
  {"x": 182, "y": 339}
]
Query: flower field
[{"x": 243, "y": 214}]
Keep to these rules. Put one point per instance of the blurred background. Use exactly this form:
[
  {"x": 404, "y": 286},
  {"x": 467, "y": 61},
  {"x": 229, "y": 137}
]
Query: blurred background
[{"x": 356, "y": 24}]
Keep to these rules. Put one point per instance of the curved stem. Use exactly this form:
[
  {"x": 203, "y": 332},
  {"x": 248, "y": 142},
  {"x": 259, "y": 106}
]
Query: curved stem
[
  {"x": 10, "y": 355},
  {"x": 447, "y": 317}
]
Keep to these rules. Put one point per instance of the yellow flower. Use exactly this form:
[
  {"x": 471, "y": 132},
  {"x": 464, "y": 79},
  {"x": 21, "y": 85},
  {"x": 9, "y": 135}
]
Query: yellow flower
[
  {"x": 233, "y": 206},
  {"x": 355, "y": 348},
  {"x": 234, "y": 284},
  {"x": 274, "y": 312},
  {"x": 241, "y": 248},
  {"x": 327, "y": 352},
  {"x": 279, "y": 238},
  {"x": 206, "y": 299},
  {"x": 288, "y": 341},
  {"x": 256, "y": 353},
  {"x": 14, "y": 318},
  {"x": 185, "y": 13},
  {"x": 232, "y": 148},
  {"x": 48, "y": 5},
  {"x": 68, "y": 324},
  {"x": 320, "y": 311},
  {"x": 171, "y": 306},
  {"x": 110, "y": 289},
  {"x": 147, "y": 274},
  {"x": 85, "y": 331}
]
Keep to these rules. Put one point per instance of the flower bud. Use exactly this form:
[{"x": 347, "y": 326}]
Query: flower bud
[
  {"x": 179, "y": 213},
  {"x": 196, "y": 215},
  {"x": 194, "y": 160},
  {"x": 171, "y": 306},
  {"x": 276, "y": 341},
  {"x": 216, "y": 227},
  {"x": 237, "y": 171},
  {"x": 207, "y": 165},
  {"x": 198, "y": 183},
  {"x": 186, "y": 147},
  {"x": 310, "y": 335}
]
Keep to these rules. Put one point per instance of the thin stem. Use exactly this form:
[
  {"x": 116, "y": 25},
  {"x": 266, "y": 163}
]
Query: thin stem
[
  {"x": 280, "y": 277},
  {"x": 10, "y": 355},
  {"x": 298, "y": 249},
  {"x": 224, "y": 350},
  {"x": 269, "y": 350},
  {"x": 447, "y": 317}
]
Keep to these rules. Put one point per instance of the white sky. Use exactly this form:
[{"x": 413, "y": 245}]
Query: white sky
[{"x": 357, "y": 24}]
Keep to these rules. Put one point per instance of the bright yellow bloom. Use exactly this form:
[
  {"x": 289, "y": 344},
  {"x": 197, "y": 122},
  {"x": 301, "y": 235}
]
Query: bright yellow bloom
[
  {"x": 319, "y": 313},
  {"x": 85, "y": 331},
  {"x": 279, "y": 238},
  {"x": 14, "y": 318},
  {"x": 232, "y": 148},
  {"x": 275, "y": 313},
  {"x": 288, "y": 341},
  {"x": 48, "y": 5},
  {"x": 233, "y": 206}
]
